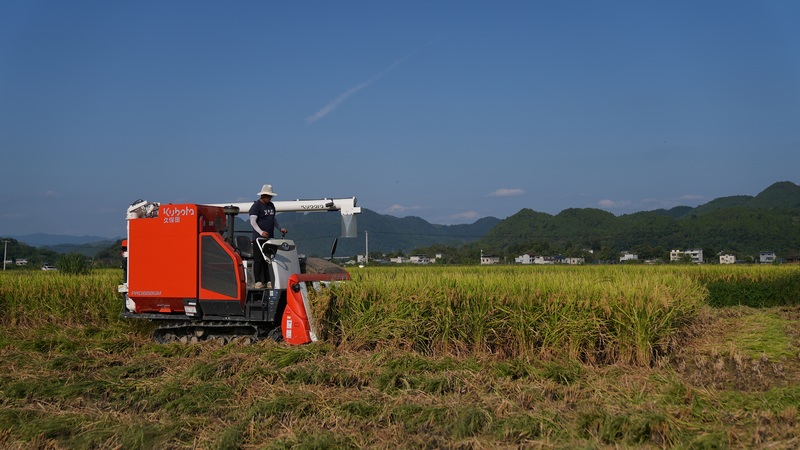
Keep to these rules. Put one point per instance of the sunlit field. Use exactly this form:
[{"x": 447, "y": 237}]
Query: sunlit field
[
  {"x": 595, "y": 315},
  {"x": 410, "y": 357}
]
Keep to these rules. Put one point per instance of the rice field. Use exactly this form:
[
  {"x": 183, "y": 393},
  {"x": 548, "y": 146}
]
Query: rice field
[
  {"x": 600, "y": 315},
  {"x": 428, "y": 357}
]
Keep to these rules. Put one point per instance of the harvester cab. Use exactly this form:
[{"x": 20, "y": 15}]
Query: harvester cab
[{"x": 186, "y": 270}]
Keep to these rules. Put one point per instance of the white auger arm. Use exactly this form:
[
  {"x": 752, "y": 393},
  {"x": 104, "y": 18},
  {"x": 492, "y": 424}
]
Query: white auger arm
[{"x": 346, "y": 206}]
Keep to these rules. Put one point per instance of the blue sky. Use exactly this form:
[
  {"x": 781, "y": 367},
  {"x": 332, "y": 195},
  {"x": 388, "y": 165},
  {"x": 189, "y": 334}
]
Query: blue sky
[{"x": 450, "y": 111}]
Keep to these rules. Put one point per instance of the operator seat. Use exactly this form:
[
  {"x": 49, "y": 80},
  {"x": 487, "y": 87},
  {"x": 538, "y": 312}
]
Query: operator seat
[{"x": 244, "y": 246}]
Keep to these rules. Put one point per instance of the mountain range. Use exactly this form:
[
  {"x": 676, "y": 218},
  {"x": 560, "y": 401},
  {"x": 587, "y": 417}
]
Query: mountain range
[
  {"x": 740, "y": 224},
  {"x": 315, "y": 232},
  {"x": 47, "y": 240}
]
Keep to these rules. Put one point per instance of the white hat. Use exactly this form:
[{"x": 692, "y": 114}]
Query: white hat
[{"x": 267, "y": 190}]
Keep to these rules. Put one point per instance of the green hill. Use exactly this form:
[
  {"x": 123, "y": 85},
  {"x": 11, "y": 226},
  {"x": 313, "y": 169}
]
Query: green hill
[
  {"x": 720, "y": 203},
  {"x": 743, "y": 225},
  {"x": 783, "y": 194},
  {"x": 676, "y": 212},
  {"x": 15, "y": 250}
]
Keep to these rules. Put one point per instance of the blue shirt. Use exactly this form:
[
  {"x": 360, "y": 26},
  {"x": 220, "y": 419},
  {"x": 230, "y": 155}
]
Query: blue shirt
[{"x": 265, "y": 217}]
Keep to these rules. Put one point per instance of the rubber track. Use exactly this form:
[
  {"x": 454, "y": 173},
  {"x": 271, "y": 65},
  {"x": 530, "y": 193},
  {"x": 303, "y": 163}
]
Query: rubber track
[{"x": 196, "y": 331}]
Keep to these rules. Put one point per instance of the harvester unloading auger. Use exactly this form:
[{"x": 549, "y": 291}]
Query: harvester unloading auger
[{"x": 187, "y": 270}]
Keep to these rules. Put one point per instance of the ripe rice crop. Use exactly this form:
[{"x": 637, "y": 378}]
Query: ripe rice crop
[
  {"x": 596, "y": 314},
  {"x": 34, "y": 298},
  {"x": 755, "y": 286}
]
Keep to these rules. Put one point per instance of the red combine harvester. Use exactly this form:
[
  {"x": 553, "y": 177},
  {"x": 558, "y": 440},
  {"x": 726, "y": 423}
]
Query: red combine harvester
[{"x": 187, "y": 270}]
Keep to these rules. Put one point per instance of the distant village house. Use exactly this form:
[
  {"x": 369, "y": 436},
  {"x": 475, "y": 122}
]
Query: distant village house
[
  {"x": 419, "y": 259},
  {"x": 528, "y": 259},
  {"x": 696, "y": 255},
  {"x": 766, "y": 257},
  {"x": 488, "y": 259}
]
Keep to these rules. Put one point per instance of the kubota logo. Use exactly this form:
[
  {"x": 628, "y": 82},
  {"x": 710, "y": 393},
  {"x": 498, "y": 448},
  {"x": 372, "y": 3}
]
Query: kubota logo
[{"x": 172, "y": 211}]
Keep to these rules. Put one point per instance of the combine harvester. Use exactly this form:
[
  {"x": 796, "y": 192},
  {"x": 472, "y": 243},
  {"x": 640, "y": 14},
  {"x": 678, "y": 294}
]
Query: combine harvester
[{"x": 186, "y": 270}]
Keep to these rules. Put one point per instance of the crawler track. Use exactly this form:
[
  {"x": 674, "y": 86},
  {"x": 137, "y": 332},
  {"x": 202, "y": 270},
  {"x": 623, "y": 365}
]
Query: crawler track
[{"x": 194, "y": 331}]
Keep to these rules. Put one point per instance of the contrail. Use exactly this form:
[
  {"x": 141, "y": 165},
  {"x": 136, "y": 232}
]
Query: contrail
[{"x": 338, "y": 101}]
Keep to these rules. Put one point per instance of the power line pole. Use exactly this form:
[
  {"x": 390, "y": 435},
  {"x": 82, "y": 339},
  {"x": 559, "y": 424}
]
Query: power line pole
[
  {"x": 5, "y": 251},
  {"x": 366, "y": 254}
]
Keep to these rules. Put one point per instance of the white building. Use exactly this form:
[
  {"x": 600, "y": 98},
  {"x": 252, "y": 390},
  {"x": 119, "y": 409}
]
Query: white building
[
  {"x": 544, "y": 260},
  {"x": 766, "y": 257},
  {"x": 419, "y": 259},
  {"x": 554, "y": 259},
  {"x": 727, "y": 259},
  {"x": 487, "y": 259},
  {"x": 524, "y": 259},
  {"x": 628, "y": 256},
  {"x": 695, "y": 253},
  {"x": 547, "y": 260}
]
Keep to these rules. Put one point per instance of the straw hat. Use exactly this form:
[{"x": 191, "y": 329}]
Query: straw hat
[{"x": 267, "y": 190}]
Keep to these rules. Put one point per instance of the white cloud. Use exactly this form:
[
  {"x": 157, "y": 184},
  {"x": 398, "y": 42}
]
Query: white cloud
[
  {"x": 667, "y": 203},
  {"x": 400, "y": 209},
  {"x": 506, "y": 192},
  {"x": 613, "y": 204},
  {"x": 649, "y": 203},
  {"x": 468, "y": 215}
]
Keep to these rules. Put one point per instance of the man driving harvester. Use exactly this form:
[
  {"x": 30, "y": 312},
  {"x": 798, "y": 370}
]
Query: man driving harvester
[{"x": 264, "y": 222}]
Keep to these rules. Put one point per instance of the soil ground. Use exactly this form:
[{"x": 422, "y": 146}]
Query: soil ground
[{"x": 741, "y": 349}]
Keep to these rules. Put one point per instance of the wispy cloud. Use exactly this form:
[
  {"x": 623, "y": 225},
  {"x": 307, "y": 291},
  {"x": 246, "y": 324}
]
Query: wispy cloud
[
  {"x": 505, "y": 192},
  {"x": 341, "y": 98},
  {"x": 400, "y": 209},
  {"x": 613, "y": 204},
  {"x": 466, "y": 215},
  {"x": 338, "y": 101},
  {"x": 647, "y": 204}
]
